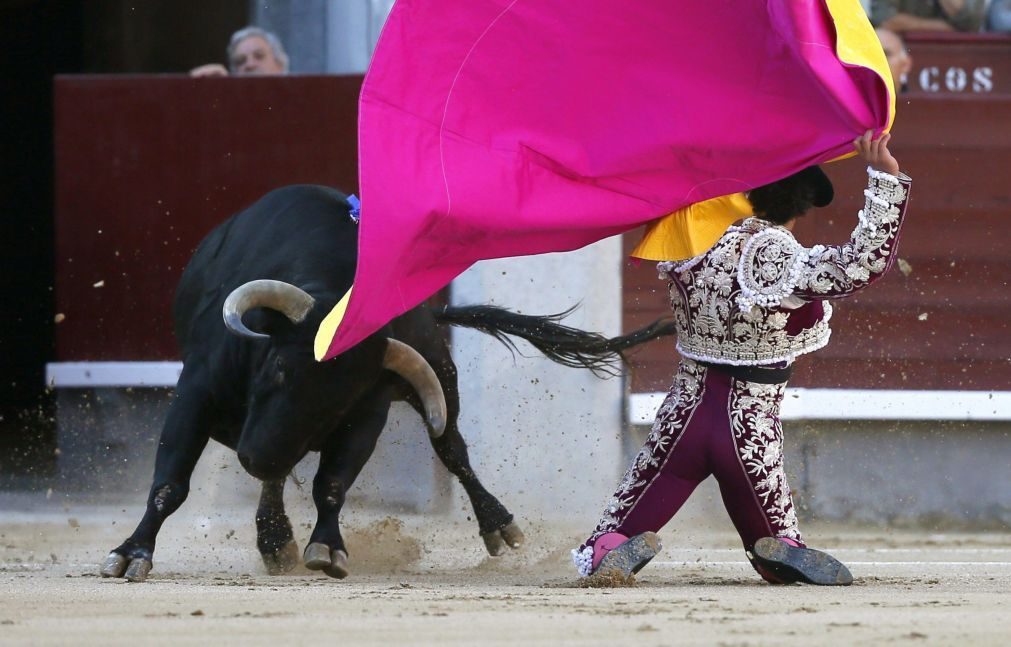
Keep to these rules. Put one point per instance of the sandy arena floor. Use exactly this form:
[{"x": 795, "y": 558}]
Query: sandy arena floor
[{"x": 418, "y": 583}]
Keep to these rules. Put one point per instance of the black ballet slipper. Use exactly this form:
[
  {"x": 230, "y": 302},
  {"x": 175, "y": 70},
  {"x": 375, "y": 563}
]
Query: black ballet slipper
[{"x": 795, "y": 564}]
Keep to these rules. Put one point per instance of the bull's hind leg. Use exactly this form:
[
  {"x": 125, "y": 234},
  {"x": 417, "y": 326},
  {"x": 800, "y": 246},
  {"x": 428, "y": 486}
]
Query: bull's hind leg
[
  {"x": 341, "y": 460},
  {"x": 182, "y": 441},
  {"x": 274, "y": 537},
  {"x": 494, "y": 521}
]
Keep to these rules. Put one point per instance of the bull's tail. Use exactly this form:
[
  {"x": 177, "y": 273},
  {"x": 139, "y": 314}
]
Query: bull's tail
[{"x": 563, "y": 344}]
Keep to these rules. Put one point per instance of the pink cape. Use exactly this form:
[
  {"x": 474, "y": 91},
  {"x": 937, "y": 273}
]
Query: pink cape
[{"x": 493, "y": 128}]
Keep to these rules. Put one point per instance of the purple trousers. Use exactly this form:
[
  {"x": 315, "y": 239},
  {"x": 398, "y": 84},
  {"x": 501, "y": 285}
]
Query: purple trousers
[{"x": 710, "y": 423}]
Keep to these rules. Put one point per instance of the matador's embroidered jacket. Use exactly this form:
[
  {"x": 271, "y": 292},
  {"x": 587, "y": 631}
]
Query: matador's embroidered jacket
[{"x": 759, "y": 297}]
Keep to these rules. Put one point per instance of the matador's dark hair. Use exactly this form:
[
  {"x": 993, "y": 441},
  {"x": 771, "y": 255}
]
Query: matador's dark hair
[{"x": 783, "y": 200}]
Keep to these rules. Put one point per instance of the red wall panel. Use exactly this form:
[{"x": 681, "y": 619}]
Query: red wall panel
[{"x": 146, "y": 166}]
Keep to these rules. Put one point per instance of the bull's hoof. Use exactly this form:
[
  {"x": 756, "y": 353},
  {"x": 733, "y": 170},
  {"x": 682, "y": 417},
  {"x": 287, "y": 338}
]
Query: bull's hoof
[
  {"x": 282, "y": 561},
  {"x": 134, "y": 570},
  {"x": 319, "y": 557},
  {"x": 114, "y": 566},
  {"x": 138, "y": 570},
  {"x": 497, "y": 541}
]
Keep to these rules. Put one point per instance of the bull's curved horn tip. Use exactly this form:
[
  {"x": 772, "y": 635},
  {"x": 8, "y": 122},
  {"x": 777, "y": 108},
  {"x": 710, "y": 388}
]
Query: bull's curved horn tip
[
  {"x": 410, "y": 365},
  {"x": 438, "y": 424},
  {"x": 233, "y": 321}
]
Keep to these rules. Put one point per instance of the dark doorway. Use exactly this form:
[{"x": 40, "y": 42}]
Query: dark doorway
[{"x": 43, "y": 38}]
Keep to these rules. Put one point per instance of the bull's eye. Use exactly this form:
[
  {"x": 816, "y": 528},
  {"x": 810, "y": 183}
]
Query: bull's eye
[{"x": 279, "y": 371}]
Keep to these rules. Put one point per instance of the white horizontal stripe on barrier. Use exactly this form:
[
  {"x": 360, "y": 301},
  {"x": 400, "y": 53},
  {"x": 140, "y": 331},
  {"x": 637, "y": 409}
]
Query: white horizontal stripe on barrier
[
  {"x": 799, "y": 403},
  {"x": 864, "y": 404},
  {"x": 112, "y": 374}
]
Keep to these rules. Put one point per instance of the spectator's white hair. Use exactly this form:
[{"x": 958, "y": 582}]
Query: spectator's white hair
[{"x": 272, "y": 40}]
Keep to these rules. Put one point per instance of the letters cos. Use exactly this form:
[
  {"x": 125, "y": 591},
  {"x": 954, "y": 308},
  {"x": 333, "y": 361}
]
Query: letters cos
[{"x": 956, "y": 79}]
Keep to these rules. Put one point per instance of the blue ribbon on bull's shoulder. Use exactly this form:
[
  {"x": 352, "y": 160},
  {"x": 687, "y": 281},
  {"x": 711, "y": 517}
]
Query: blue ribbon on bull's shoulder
[{"x": 356, "y": 208}]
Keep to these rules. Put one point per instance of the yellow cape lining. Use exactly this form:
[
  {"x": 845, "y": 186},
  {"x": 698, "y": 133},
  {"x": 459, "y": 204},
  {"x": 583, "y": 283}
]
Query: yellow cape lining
[
  {"x": 691, "y": 230},
  {"x": 328, "y": 328}
]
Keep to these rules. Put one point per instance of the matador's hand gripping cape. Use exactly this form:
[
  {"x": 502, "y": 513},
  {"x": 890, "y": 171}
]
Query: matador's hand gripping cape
[{"x": 493, "y": 128}]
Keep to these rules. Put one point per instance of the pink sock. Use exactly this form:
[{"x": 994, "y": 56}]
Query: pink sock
[{"x": 605, "y": 544}]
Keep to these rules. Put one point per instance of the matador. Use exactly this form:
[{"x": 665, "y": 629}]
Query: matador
[{"x": 744, "y": 311}]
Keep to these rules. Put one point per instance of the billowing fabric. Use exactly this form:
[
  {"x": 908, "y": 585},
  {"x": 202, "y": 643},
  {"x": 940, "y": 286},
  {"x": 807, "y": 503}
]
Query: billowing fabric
[
  {"x": 759, "y": 297},
  {"x": 494, "y": 128}
]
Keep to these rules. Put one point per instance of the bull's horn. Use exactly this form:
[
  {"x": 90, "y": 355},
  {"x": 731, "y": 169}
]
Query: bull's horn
[
  {"x": 410, "y": 365},
  {"x": 293, "y": 302}
]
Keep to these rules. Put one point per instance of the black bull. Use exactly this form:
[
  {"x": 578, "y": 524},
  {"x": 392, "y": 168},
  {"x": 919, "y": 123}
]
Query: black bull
[{"x": 279, "y": 267}]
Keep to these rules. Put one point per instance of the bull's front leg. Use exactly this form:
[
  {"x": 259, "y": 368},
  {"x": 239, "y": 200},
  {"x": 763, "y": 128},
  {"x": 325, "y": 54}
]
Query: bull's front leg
[
  {"x": 183, "y": 439},
  {"x": 274, "y": 537},
  {"x": 341, "y": 460}
]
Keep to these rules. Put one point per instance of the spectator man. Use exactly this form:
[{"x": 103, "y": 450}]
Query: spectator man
[
  {"x": 928, "y": 15},
  {"x": 251, "y": 51},
  {"x": 899, "y": 60}
]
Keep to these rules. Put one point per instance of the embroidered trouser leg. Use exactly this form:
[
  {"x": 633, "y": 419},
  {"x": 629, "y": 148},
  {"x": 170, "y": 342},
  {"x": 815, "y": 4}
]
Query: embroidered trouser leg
[
  {"x": 749, "y": 463},
  {"x": 667, "y": 469},
  {"x": 709, "y": 423}
]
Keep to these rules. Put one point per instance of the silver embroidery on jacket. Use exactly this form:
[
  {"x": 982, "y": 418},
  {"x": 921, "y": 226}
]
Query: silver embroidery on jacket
[{"x": 732, "y": 304}]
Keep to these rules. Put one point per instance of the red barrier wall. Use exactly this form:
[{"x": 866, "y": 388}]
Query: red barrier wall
[{"x": 147, "y": 165}]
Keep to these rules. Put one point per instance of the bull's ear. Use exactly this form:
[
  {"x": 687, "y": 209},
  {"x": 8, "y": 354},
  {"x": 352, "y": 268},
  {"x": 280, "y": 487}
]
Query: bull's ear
[{"x": 291, "y": 301}]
